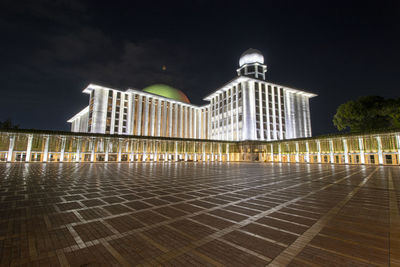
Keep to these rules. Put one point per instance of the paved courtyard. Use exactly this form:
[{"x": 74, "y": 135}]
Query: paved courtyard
[{"x": 195, "y": 214}]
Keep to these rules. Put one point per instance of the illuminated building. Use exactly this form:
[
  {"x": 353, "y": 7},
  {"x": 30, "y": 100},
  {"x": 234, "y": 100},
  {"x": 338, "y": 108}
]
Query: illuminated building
[
  {"x": 380, "y": 148},
  {"x": 246, "y": 108}
]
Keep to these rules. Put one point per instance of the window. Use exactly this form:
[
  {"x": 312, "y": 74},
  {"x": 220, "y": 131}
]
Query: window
[
  {"x": 250, "y": 69},
  {"x": 372, "y": 159}
]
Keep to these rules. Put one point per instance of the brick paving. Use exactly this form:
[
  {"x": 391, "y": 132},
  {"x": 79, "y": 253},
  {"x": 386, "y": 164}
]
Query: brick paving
[{"x": 198, "y": 214}]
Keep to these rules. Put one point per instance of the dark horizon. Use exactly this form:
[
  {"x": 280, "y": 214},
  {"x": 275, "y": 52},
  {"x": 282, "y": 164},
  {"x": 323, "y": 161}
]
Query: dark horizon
[{"x": 53, "y": 50}]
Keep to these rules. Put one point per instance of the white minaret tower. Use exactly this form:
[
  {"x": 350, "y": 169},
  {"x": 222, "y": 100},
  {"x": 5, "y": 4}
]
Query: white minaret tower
[{"x": 251, "y": 64}]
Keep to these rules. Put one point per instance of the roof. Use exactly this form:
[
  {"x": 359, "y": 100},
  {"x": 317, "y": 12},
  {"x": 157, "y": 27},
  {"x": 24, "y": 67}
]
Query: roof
[{"x": 167, "y": 91}]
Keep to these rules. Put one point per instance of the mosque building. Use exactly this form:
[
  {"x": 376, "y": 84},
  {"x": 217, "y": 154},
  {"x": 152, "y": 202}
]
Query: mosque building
[{"x": 246, "y": 108}]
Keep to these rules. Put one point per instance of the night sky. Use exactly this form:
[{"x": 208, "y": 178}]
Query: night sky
[{"x": 51, "y": 50}]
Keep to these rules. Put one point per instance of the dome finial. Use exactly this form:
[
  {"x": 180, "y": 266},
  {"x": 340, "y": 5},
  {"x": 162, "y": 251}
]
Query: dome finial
[{"x": 251, "y": 55}]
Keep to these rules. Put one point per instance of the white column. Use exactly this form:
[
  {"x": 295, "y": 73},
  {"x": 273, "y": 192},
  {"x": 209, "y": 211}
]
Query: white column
[
  {"x": 194, "y": 151},
  {"x": 227, "y": 153},
  {"x": 145, "y": 144},
  {"x": 398, "y": 147},
  {"x": 139, "y": 116},
  {"x": 220, "y": 152},
  {"x": 107, "y": 144},
  {"x": 146, "y": 116},
  {"x": 274, "y": 136},
  {"x": 176, "y": 128},
  {"x": 331, "y": 150},
  {"x": 346, "y": 151},
  {"x": 132, "y": 151},
  {"x": 164, "y": 130},
  {"x": 261, "y": 114},
  {"x": 119, "y": 150},
  {"x": 29, "y": 148},
  {"x": 272, "y": 153},
  {"x": 155, "y": 157},
  {"x": 307, "y": 152},
  {"x": 158, "y": 123},
  {"x": 63, "y": 141},
  {"x": 78, "y": 151},
  {"x": 11, "y": 148},
  {"x": 171, "y": 134},
  {"x": 191, "y": 135},
  {"x": 380, "y": 154},
  {"x": 280, "y": 113},
  {"x": 152, "y": 117},
  {"x": 319, "y": 151},
  {"x": 92, "y": 145},
  {"x": 204, "y": 151},
  {"x": 297, "y": 152},
  {"x": 46, "y": 149},
  {"x": 280, "y": 153},
  {"x": 182, "y": 128},
  {"x": 212, "y": 152},
  {"x": 361, "y": 145},
  {"x": 176, "y": 150}
]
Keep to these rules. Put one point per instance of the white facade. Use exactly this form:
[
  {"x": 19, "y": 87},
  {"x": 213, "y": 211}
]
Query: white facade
[{"x": 246, "y": 108}]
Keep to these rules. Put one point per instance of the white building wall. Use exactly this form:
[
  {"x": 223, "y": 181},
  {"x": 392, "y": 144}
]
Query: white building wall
[{"x": 223, "y": 124}]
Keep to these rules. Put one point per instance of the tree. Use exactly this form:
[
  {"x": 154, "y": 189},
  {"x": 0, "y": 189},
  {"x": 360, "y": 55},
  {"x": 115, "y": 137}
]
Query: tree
[
  {"x": 8, "y": 124},
  {"x": 368, "y": 113},
  {"x": 392, "y": 109}
]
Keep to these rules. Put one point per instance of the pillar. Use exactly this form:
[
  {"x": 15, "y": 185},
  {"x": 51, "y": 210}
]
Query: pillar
[
  {"x": 194, "y": 150},
  {"x": 297, "y": 152},
  {"x": 107, "y": 144},
  {"x": 319, "y": 151},
  {"x": 78, "y": 150},
  {"x": 145, "y": 150},
  {"x": 398, "y": 148},
  {"x": 29, "y": 148},
  {"x": 280, "y": 153},
  {"x": 346, "y": 151},
  {"x": 361, "y": 145},
  {"x": 272, "y": 153},
  {"x": 331, "y": 150},
  {"x": 155, "y": 157},
  {"x": 92, "y": 150},
  {"x": 220, "y": 152},
  {"x": 204, "y": 151},
  {"x": 176, "y": 150},
  {"x": 307, "y": 152},
  {"x": 11, "y": 148},
  {"x": 132, "y": 154},
  {"x": 46, "y": 149},
  {"x": 119, "y": 150},
  {"x": 227, "y": 153},
  {"x": 380, "y": 153},
  {"x": 63, "y": 141}
]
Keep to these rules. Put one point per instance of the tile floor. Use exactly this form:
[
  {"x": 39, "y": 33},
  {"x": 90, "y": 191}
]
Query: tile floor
[{"x": 198, "y": 214}]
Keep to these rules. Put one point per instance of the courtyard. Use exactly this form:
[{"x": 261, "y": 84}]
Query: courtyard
[{"x": 198, "y": 214}]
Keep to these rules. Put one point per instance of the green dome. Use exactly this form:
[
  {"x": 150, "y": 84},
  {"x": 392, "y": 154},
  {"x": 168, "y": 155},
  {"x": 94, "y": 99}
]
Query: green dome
[{"x": 167, "y": 91}]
